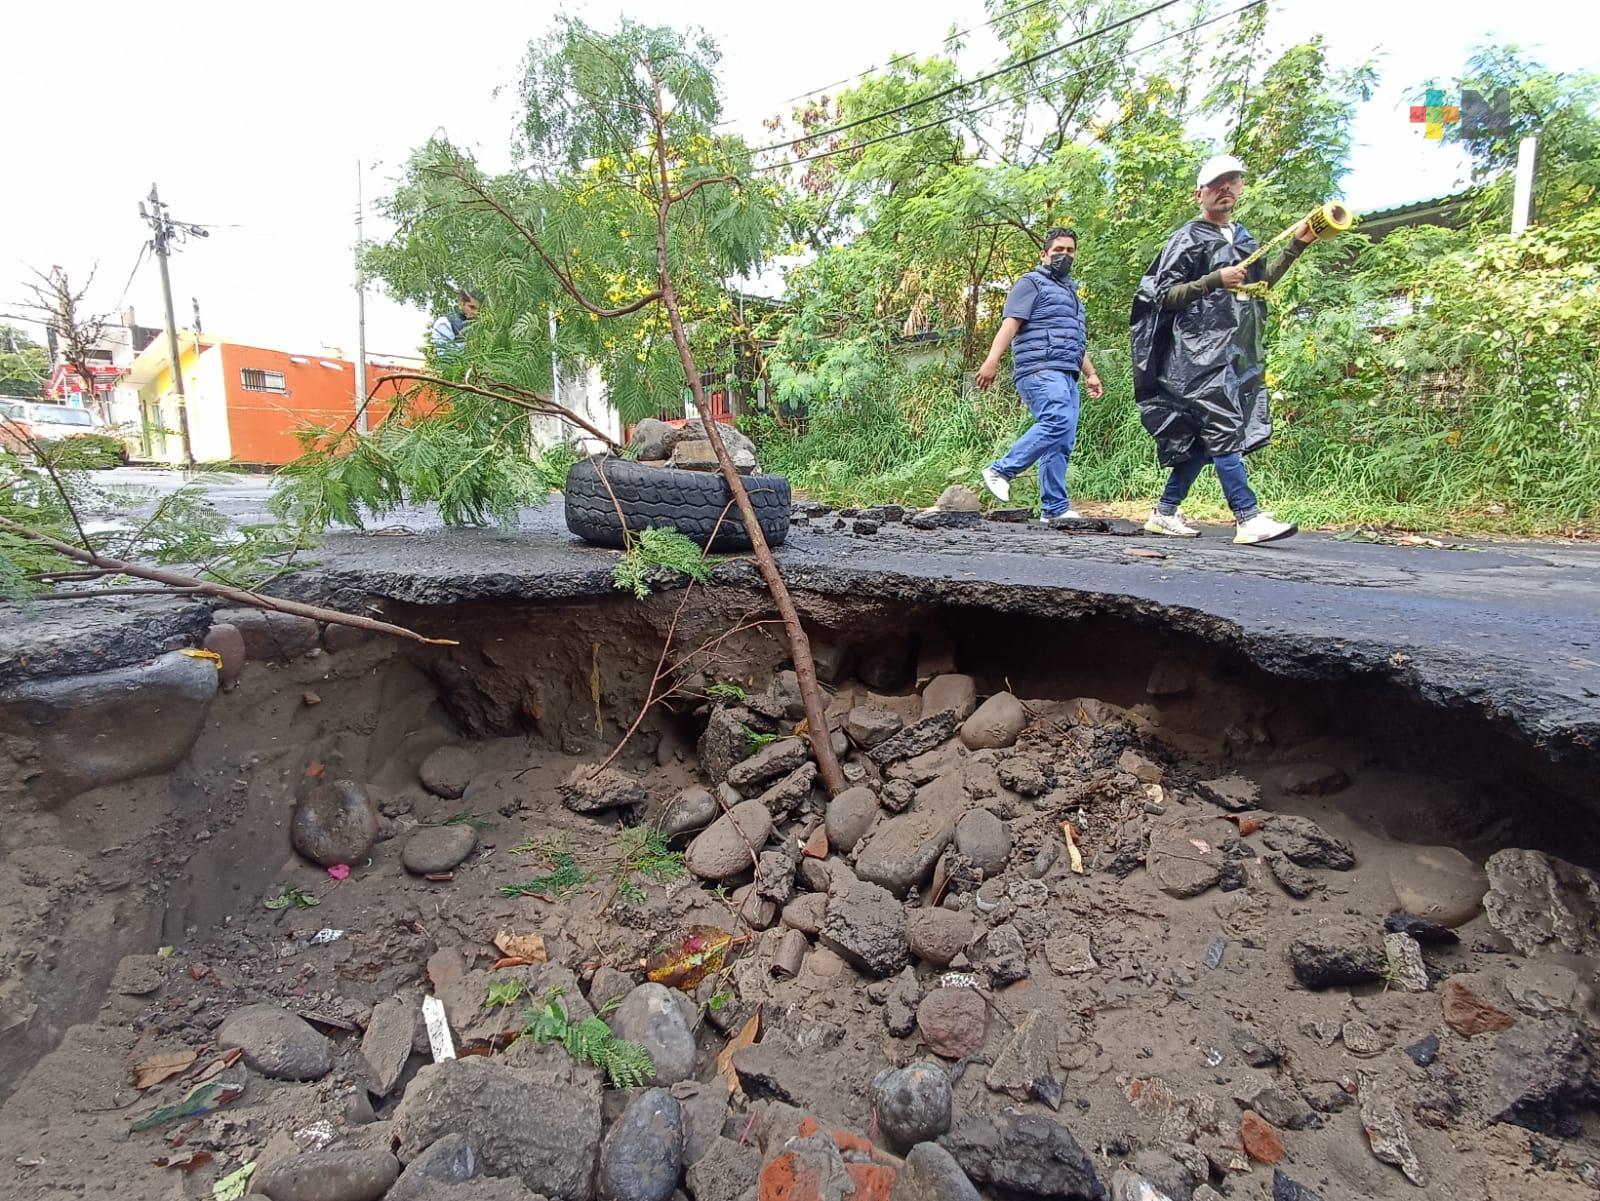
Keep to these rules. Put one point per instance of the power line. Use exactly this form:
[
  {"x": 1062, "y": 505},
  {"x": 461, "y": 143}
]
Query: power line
[
  {"x": 144, "y": 249},
  {"x": 968, "y": 83},
  {"x": 900, "y": 133},
  {"x": 900, "y": 58}
]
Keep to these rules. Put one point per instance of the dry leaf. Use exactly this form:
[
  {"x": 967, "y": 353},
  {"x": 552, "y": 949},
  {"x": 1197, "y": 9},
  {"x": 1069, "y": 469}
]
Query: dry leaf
[
  {"x": 527, "y": 947},
  {"x": 1200, "y": 845},
  {"x": 696, "y": 956},
  {"x": 220, "y": 1064},
  {"x": 745, "y": 1038},
  {"x": 1074, "y": 855},
  {"x": 1247, "y": 825},
  {"x": 150, "y": 1072},
  {"x": 188, "y": 1162},
  {"x": 1139, "y": 552}
]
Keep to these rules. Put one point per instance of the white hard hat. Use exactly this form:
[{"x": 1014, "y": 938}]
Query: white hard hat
[{"x": 1216, "y": 167}]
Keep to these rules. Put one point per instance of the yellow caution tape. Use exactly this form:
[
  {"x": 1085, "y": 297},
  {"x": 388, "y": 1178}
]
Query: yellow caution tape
[{"x": 194, "y": 653}]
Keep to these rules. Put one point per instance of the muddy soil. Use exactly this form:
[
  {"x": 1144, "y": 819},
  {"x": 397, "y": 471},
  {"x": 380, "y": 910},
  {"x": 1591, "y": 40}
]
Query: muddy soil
[{"x": 1169, "y": 1003}]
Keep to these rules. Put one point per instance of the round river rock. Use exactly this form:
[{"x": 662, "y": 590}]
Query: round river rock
[
  {"x": 953, "y": 1022},
  {"x": 337, "y": 823},
  {"x": 435, "y": 849},
  {"x": 447, "y": 771}
]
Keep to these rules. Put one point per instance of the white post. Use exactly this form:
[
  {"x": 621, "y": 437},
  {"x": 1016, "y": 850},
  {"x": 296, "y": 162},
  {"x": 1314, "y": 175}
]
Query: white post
[{"x": 1522, "y": 206}]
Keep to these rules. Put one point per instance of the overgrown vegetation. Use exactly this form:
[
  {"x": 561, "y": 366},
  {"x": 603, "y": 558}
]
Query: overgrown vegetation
[
  {"x": 644, "y": 856},
  {"x": 1438, "y": 377},
  {"x": 626, "y": 1064}
]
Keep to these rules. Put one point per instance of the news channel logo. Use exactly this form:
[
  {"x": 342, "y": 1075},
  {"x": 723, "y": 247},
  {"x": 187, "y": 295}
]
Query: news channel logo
[{"x": 1473, "y": 116}]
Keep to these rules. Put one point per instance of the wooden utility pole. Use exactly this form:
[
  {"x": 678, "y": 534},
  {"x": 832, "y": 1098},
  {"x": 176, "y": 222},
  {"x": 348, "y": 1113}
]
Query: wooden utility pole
[
  {"x": 161, "y": 238},
  {"x": 361, "y": 312}
]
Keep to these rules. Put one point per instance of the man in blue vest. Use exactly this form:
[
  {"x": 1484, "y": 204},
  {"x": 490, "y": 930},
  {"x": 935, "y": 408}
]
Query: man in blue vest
[{"x": 1044, "y": 328}]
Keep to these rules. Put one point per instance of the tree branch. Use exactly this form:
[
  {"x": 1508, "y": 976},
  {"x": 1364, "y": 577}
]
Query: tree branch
[
  {"x": 679, "y": 197},
  {"x": 539, "y": 404},
  {"x": 241, "y": 596},
  {"x": 565, "y": 280}
]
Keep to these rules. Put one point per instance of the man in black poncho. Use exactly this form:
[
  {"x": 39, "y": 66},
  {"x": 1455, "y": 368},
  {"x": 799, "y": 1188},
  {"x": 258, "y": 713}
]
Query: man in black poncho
[{"x": 1198, "y": 366}]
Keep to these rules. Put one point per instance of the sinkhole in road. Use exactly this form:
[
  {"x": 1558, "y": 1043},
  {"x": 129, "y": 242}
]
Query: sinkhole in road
[{"x": 1169, "y": 872}]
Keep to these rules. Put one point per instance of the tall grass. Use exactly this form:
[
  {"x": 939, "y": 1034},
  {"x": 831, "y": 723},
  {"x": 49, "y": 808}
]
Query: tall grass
[{"x": 1480, "y": 411}]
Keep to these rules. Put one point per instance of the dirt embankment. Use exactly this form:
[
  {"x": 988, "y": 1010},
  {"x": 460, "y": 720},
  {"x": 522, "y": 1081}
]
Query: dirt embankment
[{"x": 1107, "y": 910}]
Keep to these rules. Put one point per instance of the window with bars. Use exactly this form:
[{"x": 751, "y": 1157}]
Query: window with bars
[{"x": 256, "y": 380}]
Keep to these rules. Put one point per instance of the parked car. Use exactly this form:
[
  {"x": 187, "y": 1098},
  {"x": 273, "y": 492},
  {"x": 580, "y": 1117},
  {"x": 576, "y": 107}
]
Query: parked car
[{"x": 50, "y": 422}]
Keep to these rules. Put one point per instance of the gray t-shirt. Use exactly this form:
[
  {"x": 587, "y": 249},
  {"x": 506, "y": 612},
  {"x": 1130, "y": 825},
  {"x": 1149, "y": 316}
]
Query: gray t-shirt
[{"x": 1019, "y": 301}]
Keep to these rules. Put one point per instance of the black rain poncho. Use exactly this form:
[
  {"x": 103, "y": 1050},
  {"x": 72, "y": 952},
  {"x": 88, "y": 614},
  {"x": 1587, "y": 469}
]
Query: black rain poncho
[{"x": 1199, "y": 371}]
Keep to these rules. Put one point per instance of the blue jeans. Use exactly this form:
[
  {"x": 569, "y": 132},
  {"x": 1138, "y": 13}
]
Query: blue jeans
[
  {"x": 1231, "y": 473},
  {"x": 1052, "y": 398}
]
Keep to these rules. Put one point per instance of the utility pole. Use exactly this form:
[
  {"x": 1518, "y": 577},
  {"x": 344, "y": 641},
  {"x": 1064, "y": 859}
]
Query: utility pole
[
  {"x": 361, "y": 315},
  {"x": 162, "y": 236},
  {"x": 1522, "y": 205}
]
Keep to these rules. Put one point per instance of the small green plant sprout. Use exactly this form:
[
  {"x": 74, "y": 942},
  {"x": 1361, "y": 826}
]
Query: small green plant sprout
[
  {"x": 468, "y": 818},
  {"x": 505, "y": 992},
  {"x": 292, "y": 894},
  {"x": 626, "y": 1064},
  {"x": 725, "y": 692},
  {"x": 657, "y": 547},
  {"x": 754, "y": 740},
  {"x": 643, "y": 853}
]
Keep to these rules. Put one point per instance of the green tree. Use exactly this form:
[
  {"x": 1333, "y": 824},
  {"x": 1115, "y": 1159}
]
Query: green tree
[
  {"x": 1561, "y": 109},
  {"x": 630, "y": 213}
]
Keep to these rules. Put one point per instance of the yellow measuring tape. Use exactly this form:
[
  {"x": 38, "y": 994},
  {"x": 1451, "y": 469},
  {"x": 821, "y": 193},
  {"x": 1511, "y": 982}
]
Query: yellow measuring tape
[{"x": 1326, "y": 220}]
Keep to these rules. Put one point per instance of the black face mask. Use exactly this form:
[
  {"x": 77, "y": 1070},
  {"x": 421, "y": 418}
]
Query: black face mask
[{"x": 1060, "y": 265}]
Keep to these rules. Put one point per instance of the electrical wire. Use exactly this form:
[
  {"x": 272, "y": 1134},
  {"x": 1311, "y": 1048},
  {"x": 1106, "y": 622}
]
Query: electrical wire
[
  {"x": 900, "y": 133},
  {"x": 963, "y": 85},
  {"x": 900, "y": 58}
]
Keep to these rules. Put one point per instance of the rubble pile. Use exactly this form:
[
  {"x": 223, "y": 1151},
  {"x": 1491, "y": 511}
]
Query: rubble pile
[{"x": 1032, "y": 952}]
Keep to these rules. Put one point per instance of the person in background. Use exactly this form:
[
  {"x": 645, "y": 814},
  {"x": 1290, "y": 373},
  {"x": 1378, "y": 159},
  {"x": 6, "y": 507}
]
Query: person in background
[
  {"x": 1198, "y": 364},
  {"x": 1044, "y": 328},
  {"x": 449, "y": 332}
]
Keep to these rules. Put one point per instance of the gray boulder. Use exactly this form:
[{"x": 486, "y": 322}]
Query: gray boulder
[
  {"x": 449, "y": 1161},
  {"x": 272, "y": 637},
  {"x": 723, "y": 850},
  {"x": 277, "y": 1043},
  {"x": 447, "y": 771},
  {"x": 589, "y": 791},
  {"x": 954, "y": 693},
  {"x": 913, "y": 1103},
  {"x": 850, "y": 815},
  {"x": 932, "y": 1174},
  {"x": 549, "y": 1146},
  {"x": 661, "y": 1020},
  {"x": 328, "y": 1176},
  {"x": 111, "y": 726},
  {"x": 996, "y": 723},
  {"x": 1024, "y": 1153},
  {"x": 336, "y": 823},
  {"x": 643, "y": 1152},
  {"x": 652, "y": 440},
  {"x": 434, "y": 849},
  {"x": 866, "y": 926}
]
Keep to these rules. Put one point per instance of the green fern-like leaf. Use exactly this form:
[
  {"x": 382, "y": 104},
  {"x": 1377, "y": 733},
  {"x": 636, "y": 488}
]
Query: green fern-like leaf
[{"x": 627, "y": 1065}]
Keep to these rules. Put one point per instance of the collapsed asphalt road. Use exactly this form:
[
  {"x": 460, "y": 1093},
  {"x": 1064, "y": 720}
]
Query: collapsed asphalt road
[{"x": 1510, "y": 630}]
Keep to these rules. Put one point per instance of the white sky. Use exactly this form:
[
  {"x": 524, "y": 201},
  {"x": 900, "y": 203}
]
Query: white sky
[{"x": 252, "y": 118}]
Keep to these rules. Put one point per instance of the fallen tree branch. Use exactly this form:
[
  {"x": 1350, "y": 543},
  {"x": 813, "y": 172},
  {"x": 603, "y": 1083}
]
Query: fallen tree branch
[
  {"x": 818, "y": 731},
  {"x": 241, "y": 596},
  {"x": 540, "y": 405}
]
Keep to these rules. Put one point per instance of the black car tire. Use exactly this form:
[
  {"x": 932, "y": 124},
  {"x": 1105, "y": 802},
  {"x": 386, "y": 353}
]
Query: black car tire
[{"x": 691, "y": 502}]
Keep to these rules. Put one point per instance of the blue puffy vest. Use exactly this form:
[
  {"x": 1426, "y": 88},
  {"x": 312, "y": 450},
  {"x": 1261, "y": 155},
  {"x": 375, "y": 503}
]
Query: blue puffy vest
[{"x": 1055, "y": 336}]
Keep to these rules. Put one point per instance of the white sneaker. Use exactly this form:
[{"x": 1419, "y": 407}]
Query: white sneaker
[
  {"x": 1171, "y": 524},
  {"x": 997, "y": 483},
  {"x": 1263, "y": 527},
  {"x": 1072, "y": 513}
]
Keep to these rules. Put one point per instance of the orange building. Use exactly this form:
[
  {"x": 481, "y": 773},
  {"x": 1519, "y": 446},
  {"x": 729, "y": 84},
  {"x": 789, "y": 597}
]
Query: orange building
[{"x": 244, "y": 403}]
